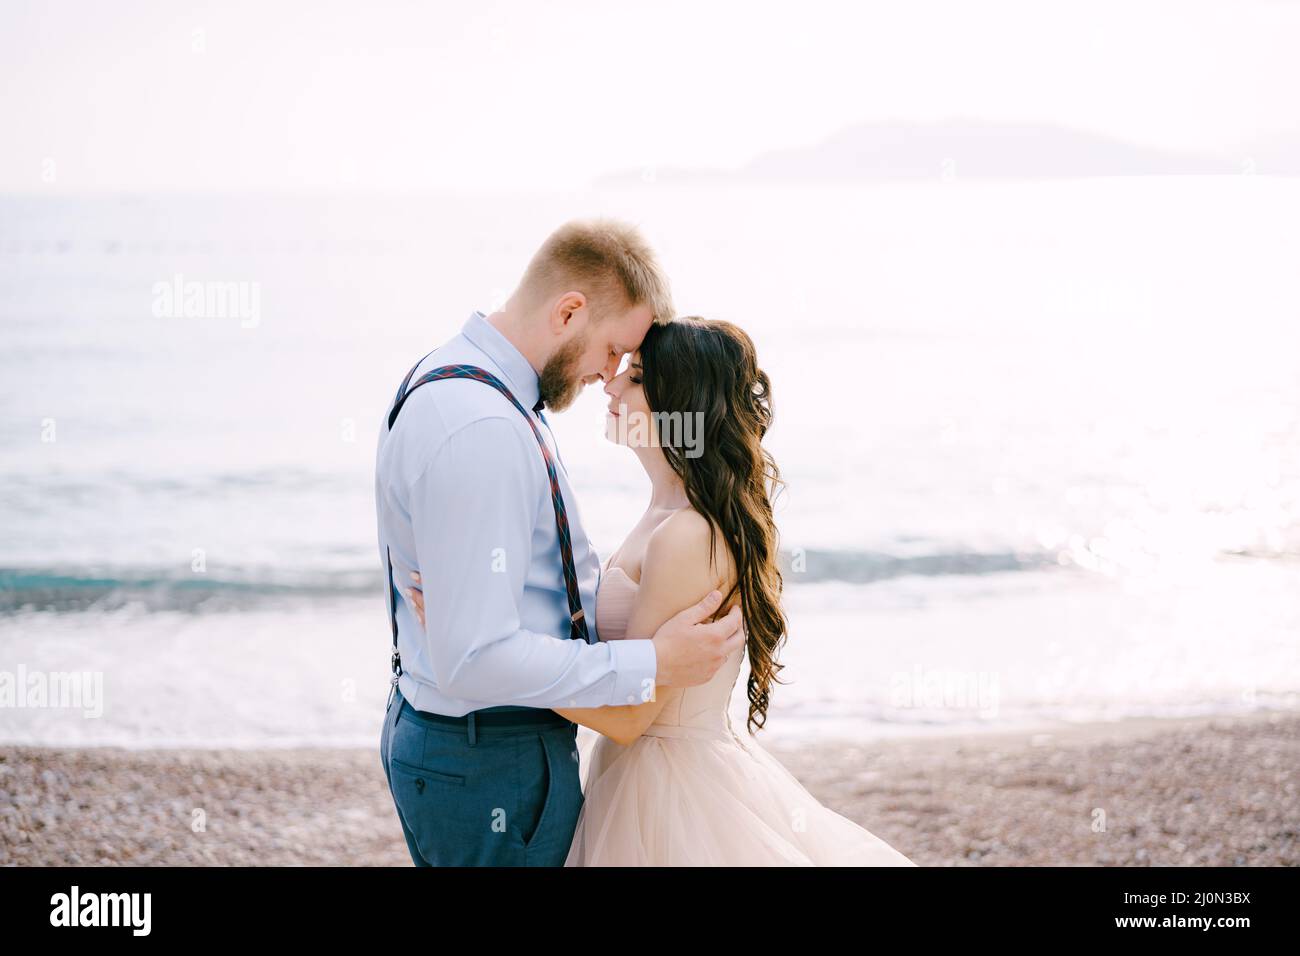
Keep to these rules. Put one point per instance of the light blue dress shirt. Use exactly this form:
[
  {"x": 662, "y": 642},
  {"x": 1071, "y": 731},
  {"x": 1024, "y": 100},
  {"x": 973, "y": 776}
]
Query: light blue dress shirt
[{"x": 463, "y": 497}]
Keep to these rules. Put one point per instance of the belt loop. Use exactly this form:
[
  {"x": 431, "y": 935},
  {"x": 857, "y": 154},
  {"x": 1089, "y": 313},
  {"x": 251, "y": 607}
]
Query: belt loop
[{"x": 470, "y": 724}]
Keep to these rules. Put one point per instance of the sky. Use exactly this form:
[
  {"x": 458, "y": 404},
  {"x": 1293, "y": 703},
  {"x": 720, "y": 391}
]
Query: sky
[{"x": 391, "y": 96}]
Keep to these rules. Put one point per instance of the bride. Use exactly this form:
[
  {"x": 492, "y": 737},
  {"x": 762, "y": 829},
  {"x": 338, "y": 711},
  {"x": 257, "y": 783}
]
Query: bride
[{"x": 670, "y": 782}]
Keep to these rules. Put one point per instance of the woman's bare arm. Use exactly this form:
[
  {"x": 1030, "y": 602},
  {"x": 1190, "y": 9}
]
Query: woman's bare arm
[{"x": 677, "y": 572}]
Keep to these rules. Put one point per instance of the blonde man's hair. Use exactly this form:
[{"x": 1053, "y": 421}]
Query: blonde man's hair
[{"x": 608, "y": 261}]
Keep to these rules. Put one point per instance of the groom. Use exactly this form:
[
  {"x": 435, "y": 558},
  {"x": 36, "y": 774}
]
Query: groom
[{"x": 472, "y": 494}]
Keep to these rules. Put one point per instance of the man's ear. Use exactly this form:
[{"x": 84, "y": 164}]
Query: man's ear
[{"x": 568, "y": 306}]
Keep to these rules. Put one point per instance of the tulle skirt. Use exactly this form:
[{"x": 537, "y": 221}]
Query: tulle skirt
[{"x": 718, "y": 800}]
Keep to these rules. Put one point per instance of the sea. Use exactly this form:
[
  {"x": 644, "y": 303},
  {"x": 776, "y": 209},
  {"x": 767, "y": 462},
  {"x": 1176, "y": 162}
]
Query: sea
[{"x": 1040, "y": 439}]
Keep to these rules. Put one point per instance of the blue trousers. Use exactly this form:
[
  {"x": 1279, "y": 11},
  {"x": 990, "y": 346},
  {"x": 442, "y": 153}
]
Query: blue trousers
[{"x": 487, "y": 797}]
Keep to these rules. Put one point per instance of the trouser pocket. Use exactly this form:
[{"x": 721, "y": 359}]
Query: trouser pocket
[
  {"x": 550, "y": 796},
  {"x": 456, "y": 800}
]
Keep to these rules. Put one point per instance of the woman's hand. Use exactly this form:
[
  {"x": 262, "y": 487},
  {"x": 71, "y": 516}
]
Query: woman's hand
[{"x": 415, "y": 597}]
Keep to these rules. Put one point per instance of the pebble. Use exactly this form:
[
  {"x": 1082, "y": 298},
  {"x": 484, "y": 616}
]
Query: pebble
[{"x": 1218, "y": 792}]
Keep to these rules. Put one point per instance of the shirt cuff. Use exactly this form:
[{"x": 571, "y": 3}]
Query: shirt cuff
[{"x": 635, "y": 666}]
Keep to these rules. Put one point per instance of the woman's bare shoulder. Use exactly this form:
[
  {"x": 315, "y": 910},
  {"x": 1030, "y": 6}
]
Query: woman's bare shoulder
[{"x": 680, "y": 546}]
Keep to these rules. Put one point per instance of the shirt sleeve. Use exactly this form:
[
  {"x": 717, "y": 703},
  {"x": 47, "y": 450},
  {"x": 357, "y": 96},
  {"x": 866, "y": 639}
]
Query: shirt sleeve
[{"x": 473, "y": 513}]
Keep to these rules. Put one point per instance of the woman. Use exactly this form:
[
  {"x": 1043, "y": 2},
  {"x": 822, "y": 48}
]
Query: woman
[{"x": 670, "y": 783}]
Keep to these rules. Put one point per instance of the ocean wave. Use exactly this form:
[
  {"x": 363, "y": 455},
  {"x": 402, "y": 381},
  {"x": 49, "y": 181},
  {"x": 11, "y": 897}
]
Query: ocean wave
[
  {"x": 167, "y": 589},
  {"x": 864, "y": 567},
  {"x": 31, "y": 589}
]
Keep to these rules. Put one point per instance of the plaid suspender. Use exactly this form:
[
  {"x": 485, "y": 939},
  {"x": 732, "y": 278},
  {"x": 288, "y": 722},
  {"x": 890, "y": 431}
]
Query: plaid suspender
[{"x": 577, "y": 619}]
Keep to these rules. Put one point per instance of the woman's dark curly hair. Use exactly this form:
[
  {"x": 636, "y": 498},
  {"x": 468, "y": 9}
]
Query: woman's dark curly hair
[{"x": 693, "y": 365}]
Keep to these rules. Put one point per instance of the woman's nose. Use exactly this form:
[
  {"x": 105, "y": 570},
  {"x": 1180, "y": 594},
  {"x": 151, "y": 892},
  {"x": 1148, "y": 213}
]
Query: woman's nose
[{"x": 611, "y": 386}]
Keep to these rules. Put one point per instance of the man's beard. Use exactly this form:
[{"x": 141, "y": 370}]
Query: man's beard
[{"x": 559, "y": 385}]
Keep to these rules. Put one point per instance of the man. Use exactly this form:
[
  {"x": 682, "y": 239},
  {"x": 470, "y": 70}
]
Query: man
[{"x": 472, "y": 495}]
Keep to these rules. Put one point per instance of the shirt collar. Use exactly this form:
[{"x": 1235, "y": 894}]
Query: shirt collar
[{"x": 518, "y": 371}]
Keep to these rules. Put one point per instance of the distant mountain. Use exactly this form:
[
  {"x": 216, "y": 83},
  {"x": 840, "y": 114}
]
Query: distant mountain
[{"x": 963, "y": 149}]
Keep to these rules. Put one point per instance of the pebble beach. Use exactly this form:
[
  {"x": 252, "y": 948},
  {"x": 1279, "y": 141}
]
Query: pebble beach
[{"x": 1208, "y": 791}]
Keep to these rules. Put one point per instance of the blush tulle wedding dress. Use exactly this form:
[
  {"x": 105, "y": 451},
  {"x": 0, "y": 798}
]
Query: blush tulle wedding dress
[{"x": 691, "y": 792}]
